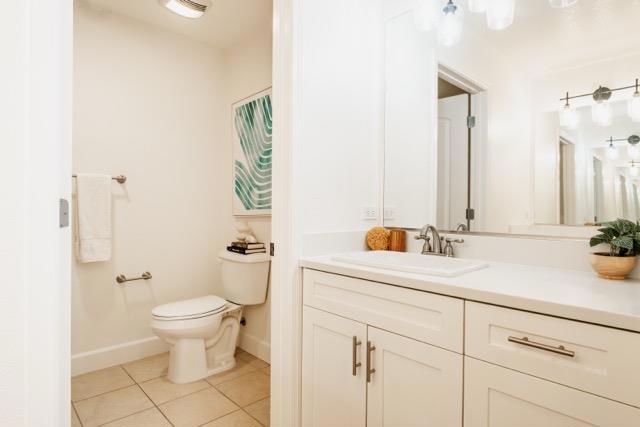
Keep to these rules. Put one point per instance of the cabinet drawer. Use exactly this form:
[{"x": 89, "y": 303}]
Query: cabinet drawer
[
  {"x": 592, "y": 358},
  {"x": 499, "y": 397},
  {"x": 426, "y": 317}
]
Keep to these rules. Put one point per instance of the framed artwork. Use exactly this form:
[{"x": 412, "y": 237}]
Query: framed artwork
[{"x": 252, "y": 155}]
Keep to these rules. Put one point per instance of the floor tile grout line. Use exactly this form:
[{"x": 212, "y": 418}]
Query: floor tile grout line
[
  {"x": 252, "y": 417},
  {"x": 149, "y": 397},
  {"x": 103, "y": 393},
  {"x": 75, "y": 411}
]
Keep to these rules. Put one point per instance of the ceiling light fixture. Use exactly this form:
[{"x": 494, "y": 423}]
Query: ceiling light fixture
[
  {"x": 562, "y": 3},
  {"x": 187, "y": 8},
  {"x": 601, "y": 109},
  {"x": 450, "y": 28}
]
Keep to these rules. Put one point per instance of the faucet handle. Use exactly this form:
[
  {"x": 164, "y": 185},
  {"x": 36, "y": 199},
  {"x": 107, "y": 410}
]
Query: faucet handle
[
  {"x": 448, "y": 248},
  {"x": 450, "y": 240}
]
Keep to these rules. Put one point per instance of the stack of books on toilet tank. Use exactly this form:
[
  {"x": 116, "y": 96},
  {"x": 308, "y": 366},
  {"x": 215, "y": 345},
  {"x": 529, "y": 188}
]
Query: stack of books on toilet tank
[{"x": 245, "y": 248}]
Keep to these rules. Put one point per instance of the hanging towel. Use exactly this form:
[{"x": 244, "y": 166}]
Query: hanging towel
[{"x": 94, "y": 217}]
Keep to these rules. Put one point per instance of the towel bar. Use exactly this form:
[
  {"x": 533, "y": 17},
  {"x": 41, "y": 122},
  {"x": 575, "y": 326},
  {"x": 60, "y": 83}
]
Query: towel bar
[
  {"x": 121, "y": 278},
  {"x": 120, "y": 178}
]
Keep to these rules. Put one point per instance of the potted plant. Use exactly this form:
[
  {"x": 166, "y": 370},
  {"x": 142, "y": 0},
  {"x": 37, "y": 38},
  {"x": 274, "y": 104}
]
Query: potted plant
[{"x": 623, "y": 238}]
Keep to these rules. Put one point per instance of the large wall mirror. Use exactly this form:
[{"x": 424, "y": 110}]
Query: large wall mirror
[{"x": 522, "y": 115}]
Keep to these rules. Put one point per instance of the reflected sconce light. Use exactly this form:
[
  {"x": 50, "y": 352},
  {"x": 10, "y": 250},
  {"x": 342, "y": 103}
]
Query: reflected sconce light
[
  {"x": 634, "y": 105},
  {"x": 562, "y": 3},
  {"x": 569, "y": 118},
  {"x": 450, "y": 27},
  {"x": 632, "y": 149},
  {"x": 500, "y": 14},
  {"x": 601, "y": 113},
  {"x": 633, "y": 169},
  {"x": 601, "y": 109},
  {"x": 612, "y": 151},
  {"x": 187, "y": 8}
]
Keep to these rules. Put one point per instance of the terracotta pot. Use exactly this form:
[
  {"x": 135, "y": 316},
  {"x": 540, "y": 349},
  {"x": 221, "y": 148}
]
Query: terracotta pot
[{"x": 612, "y": 267}]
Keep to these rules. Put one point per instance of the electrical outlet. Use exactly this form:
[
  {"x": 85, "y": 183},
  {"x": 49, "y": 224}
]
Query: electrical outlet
[{"x": 370, "y": 212}]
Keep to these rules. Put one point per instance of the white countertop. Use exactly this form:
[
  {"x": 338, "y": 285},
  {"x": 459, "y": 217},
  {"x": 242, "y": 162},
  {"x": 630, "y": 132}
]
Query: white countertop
[{"x": 565, "y": 293}]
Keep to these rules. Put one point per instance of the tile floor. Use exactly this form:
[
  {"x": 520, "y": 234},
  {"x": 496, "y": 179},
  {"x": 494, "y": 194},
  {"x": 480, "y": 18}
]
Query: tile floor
[{"x": 138, "y": 394}]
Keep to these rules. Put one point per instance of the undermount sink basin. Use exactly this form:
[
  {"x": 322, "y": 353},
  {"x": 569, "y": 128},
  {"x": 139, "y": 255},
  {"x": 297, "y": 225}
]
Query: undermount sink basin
[{"x": 413, "y": 263}]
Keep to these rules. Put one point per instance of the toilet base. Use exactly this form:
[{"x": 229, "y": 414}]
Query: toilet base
[{"x": 193, "y": 359}]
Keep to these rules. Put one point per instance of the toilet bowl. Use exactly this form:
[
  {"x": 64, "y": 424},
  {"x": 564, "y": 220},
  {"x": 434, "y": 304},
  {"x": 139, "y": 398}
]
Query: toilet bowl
[{"x": 203, "y": 332}]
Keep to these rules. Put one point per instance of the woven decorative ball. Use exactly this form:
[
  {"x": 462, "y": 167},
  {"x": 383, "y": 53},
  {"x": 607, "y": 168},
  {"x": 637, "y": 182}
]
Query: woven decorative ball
[{"x": 378, "y": 239}]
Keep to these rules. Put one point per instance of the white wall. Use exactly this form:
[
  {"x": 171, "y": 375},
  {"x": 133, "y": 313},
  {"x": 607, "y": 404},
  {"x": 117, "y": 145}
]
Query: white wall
[
  {"x": 248, "y": 71},
  {"x": 153, "y": 106}
]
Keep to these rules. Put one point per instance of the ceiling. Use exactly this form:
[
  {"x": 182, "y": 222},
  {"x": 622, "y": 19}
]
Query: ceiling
[
  {"x": 588, "y": 30},
  {"x": 226, "y": 23}
]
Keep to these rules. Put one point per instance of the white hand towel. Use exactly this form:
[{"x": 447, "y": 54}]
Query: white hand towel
[{"x": 94, "y": 217}]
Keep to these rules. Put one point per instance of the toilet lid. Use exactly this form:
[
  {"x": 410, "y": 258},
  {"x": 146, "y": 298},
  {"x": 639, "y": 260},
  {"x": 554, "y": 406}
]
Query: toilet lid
[{"x": 197, "y": 307}]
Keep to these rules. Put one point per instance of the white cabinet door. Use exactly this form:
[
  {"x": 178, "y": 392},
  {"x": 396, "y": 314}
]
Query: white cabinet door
[
  {"x": 414, "y": 384},
  {"x": 334, "y": 391},
  {"x": 500, "y": 397}
]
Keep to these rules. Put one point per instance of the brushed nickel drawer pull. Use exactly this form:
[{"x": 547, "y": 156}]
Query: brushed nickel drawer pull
[
  {"x": 355, "y": 365},
  {"x": 558, "y": 350},
  {"x": 370, "y": 370}
]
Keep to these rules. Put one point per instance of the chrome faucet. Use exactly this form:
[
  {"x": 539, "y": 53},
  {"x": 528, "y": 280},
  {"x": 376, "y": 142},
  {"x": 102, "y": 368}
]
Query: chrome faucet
[{"x": 437, "y": 248}]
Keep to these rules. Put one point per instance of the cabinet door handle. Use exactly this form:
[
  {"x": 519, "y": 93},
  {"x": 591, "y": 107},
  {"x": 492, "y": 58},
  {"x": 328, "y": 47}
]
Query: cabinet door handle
[
  {"x": 354, "y": 355},
  {"x": 370, "y": 370},
  {"x": 557, "y": 350}
]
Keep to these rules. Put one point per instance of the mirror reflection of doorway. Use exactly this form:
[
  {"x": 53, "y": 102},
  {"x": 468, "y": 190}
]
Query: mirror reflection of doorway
[
  {"x": 598, "y": 191},
  {"x": 567, "y": 175}
]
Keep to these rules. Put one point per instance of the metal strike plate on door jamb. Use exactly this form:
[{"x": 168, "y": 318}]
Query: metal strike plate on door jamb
[{"x": 63, "y": 213}]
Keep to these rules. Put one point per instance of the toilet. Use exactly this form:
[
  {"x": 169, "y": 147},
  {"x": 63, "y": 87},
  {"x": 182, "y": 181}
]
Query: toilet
[{"x": 203, "y": 332}]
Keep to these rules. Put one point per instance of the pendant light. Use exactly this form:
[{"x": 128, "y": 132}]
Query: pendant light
[
  {"x": 500, "y": 14},
  {"x": 562, "y": 3},
  {"x": 450, "y": 27},
  {"x": 634, "y": 105},
  {"x": 612, "y": 151},
  {"x": 601, "y": 109},
  {"x": 478, "y": 6},
  {"x": 569, "y": 117}
]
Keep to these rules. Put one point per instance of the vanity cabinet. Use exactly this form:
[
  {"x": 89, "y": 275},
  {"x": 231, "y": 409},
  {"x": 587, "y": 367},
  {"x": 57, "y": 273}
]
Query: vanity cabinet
[
  {"x": 499, "y": 397},
  {"x": 381, "y": 355}
]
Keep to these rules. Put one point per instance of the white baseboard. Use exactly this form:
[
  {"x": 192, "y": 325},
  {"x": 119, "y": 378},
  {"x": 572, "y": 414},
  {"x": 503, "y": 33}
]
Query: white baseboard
[
  {"x": 106, "y": 357},
  {"x": 259, "y": 348}
]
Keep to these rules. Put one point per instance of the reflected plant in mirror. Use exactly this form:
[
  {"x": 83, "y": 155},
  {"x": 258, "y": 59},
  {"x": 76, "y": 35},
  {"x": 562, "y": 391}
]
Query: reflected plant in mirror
[{"x": 497, "y": 125}]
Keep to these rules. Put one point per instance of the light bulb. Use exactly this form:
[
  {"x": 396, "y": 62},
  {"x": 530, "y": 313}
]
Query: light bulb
[
  {"x": 601, "y": 113},
  {"x": 500, "y": 14},
  {"x": 633, "y": 151},
  {"x": 450, "y": 28},
  {"x": 569, "y": 118},
  {"x": 612, "y": 152},
  {"x": 633, "y": 107},
  {"x": 477, "y": 6},
  {"x": 425, "y": 15},
  {"x": 562, "y": 3}
]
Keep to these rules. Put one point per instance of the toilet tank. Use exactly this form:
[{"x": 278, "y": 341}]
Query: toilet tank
[{"x": 245, "y": 278}]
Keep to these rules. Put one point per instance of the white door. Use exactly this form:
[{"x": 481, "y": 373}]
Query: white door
[
  {"x": 414, "y": 384},
  {"x": 333, "y": 371},
  {"x": 500, "y": 397},
  {"x": 453, "y": 150}
]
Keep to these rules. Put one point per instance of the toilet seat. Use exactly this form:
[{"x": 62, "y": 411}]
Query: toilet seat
[{"x": 195, "y": 308}]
